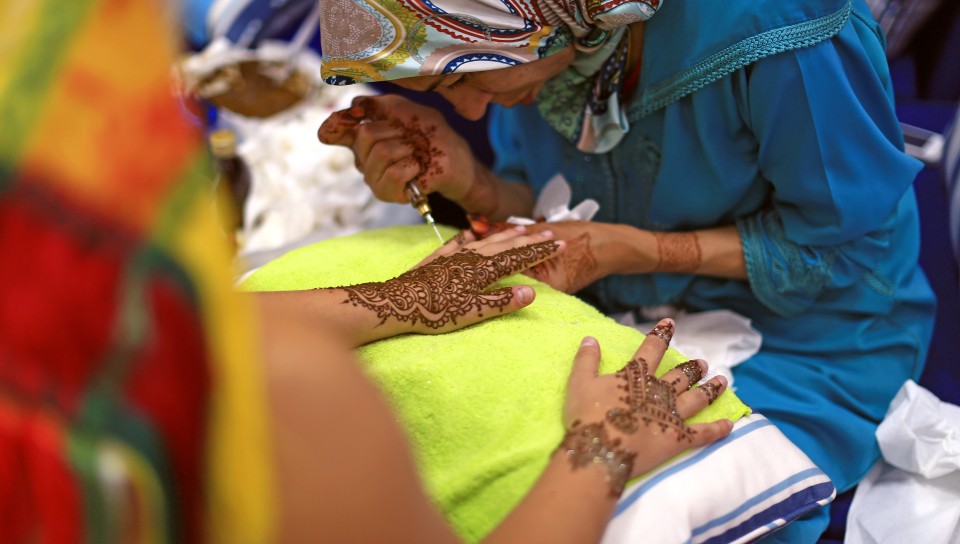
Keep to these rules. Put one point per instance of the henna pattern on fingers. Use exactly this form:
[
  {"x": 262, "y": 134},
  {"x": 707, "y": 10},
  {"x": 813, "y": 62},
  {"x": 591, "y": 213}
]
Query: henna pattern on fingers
[
  {"x": 586, "y": 445},
  {"x": 692, "y": 370},
  {"x": 664, "y": 331},
  {"x": 711, "y": 390},
  {"x": 679, "y": 252},
  {"x": 425, "y": 154},
  {"x": 447, "y": 288},
  {"x": 649, "y": 400},
  {"x": 578, "y": 262}
]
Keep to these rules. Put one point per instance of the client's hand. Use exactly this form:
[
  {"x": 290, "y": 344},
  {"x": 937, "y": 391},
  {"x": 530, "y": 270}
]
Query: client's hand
[
  {"x": 629, "y": 422},
  {"x": 449, "y": 289}
]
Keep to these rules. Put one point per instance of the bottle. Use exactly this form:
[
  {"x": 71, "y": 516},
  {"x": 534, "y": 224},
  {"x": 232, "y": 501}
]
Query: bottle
[{"x": 233, "y": 173}]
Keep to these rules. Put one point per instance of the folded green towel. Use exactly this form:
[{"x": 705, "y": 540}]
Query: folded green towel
[{"x": 482, "y": 406}]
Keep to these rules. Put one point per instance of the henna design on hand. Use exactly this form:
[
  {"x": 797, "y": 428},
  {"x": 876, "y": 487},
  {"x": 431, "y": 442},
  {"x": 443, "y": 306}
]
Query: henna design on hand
[
  {"x": 446, "y": 288},
  {"x": 425, "y": 154},
  {"x": 589, "y": 444},
  {"x": 578, "y": 262},
  {"x": 679, "y": 252},
  {"x": 649, "y": 400}
]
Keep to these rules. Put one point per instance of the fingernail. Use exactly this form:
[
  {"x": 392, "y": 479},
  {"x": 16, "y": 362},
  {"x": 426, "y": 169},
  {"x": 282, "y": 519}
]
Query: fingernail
[
  {"x": 357, "y": 112},
  {"x": 520, "y": 228},
  {"x": 664, "y": 330},
  {"x": 546, "y": 233},
  {"x": 525, "y": 294},
  {"x": 588, "y": 341}
]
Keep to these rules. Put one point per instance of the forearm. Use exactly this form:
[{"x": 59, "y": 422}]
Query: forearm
[
  {"x": 715, "y": 252},
  {"x": 495, "y": 198},
  {"x": 330, "y": 309},
  {"x": 565, "y": 505}
]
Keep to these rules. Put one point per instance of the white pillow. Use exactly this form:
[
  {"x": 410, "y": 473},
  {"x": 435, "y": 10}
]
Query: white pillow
[{"x": 734, "y": 490}]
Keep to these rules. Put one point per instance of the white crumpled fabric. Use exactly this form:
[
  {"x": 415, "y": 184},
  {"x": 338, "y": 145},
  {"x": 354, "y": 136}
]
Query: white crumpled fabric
[
  {"x": 302, "y": 191},
  {"x": 913, "y": 494},
  {"x": 553, "y": 205}
]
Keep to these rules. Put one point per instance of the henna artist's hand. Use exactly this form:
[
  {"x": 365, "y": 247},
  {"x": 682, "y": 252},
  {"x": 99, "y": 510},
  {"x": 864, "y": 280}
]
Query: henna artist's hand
[
  {"x": 449, "y": 289},
  {"x": 395, "y": 141},
  {"x": 594, "y": 250},
  {"x": 576, "y": 268},
  {"x": 629, "y": 422}
]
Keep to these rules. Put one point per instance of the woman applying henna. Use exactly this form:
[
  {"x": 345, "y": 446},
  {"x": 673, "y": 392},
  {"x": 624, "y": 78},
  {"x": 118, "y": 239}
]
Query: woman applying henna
[{"x": 746, "y": 156}]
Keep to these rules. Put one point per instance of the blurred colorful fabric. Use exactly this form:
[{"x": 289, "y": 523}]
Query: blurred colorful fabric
[{"x": 131, "y": 405}]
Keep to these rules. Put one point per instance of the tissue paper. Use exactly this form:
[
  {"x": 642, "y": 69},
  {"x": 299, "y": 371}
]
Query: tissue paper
[{"x": 913, "y": 494}]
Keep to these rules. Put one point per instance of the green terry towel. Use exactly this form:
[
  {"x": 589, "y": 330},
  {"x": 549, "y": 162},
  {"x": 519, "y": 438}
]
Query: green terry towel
[{"x": 482, "y": 406}]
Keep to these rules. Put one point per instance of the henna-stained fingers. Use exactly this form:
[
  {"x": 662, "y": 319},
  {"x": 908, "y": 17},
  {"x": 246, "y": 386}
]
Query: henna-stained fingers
[
  {"x": 705, "y": 433},
  {"x": 451, "y": 246},
  {"x": 448, "y": 288},
  {"x": 511, "y": 238},
  {"x": 696, "y": 399},
  {"x": 686, "y": 375},
  {"x": 664, "y": 331},
  {"x": 655, "y": 344}
]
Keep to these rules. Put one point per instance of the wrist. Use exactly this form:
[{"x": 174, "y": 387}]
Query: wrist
[
  {"x": 481, "y": 195},
  {"x": 358, "y": 320},
  {"x": 593, "y": 449},
  {"x": 627, "y": 250}
]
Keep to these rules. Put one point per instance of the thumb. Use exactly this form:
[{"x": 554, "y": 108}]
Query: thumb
[
  {"x": 586, "y": 363},
  {"x": 338, "y": 129}
]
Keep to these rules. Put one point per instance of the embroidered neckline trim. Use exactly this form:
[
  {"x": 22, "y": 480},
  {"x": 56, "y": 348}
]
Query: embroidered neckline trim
[{"x": 736, "y": 56}]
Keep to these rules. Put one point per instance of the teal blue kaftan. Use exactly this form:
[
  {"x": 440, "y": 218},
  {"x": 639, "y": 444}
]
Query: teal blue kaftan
[{"x": 775, "y": 116}]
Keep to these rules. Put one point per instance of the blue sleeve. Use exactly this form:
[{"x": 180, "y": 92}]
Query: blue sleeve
[{"x": 830, "y": 145}]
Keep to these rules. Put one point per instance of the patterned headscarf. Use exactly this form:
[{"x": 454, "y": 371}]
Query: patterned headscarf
[{"x": 377, "y": 40}]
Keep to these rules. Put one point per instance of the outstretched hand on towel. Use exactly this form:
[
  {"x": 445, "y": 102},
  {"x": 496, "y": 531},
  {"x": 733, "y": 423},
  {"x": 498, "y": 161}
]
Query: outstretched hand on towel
[
  {"x": 447, "y": 291},
  {"x": 627, "y": 423}
]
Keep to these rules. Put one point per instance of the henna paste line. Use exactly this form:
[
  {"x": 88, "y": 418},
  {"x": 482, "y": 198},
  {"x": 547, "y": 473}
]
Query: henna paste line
[
  {"x": 447, "y": 288},
  {"x": 711, "y": 390},
  {"x": 679, "y": 252}
]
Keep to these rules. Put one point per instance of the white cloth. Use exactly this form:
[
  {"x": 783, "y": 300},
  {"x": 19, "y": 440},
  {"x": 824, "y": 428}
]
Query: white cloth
[
  {"x": 302, "y": 191},
  {"x": 913, "y": 495}
]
